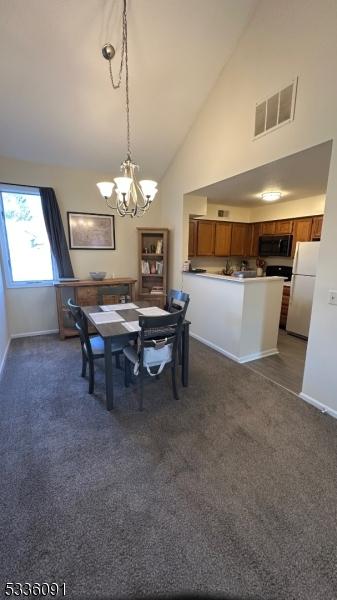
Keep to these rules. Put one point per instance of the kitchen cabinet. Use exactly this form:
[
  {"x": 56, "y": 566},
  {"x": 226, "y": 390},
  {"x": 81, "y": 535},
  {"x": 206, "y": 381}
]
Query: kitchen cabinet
[
  {"x": 301, "y": 232},
  {"x": 283, "y": 227},
  {"x": 205, "y": 238},
  {"x": 223, "y": 236},
  {"x": 267, "y": 228},
  {"x": 192, "y": 238},
  {"x": 254, "y": 246},
  {"x": 316, "y": 230},
  {"x": 239, "y": 239},
  {"x": 284, "y": 306}
]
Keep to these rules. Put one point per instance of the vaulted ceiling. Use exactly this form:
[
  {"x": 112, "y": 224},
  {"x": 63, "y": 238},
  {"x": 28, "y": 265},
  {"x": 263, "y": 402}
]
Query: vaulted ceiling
[{"x": 57, "y": 105}]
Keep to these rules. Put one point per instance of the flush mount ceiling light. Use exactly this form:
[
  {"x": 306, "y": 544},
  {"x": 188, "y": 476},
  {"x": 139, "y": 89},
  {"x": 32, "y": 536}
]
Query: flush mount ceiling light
[
  {"x": 271, "y": 196},
  {"x": 125, "y": 194}
]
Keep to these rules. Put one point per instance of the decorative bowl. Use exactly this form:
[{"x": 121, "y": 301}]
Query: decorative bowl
[{"x": 97, "y": 275}]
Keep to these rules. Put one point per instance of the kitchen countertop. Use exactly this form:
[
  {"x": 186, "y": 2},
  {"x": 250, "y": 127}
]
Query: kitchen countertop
[{"x": 235, "y": 279}]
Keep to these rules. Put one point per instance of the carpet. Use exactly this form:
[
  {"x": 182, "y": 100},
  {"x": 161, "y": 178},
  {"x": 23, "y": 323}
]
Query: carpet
[{"x": 229, "y": 492}]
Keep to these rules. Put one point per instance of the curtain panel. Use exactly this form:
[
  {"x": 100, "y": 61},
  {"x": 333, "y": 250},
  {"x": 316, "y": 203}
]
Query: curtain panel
[{"x": 55, "y": 231}]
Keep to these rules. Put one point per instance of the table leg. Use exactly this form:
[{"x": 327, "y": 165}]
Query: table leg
[
  {"x": 185, "y": 354},
  {"x": 108, "y": 374}
]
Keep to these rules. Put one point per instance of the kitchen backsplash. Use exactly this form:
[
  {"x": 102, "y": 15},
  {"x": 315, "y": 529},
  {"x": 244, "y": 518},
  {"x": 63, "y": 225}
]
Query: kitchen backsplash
[{"x": 213, "y": 264}]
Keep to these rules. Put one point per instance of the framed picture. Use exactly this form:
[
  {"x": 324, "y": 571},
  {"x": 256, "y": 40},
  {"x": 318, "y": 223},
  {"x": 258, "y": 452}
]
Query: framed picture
[{"x": 91, "y": 231}]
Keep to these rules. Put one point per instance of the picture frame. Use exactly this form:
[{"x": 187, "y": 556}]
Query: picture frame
[{"x": 91, "y": 231}]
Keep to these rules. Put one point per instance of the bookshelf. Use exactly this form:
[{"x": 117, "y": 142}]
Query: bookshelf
[{"x": 152, "y": 265}]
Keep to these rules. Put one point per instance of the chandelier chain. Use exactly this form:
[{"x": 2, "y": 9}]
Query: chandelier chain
[
  {"x": 124, "y": 60},
  {"x": 132, "y": 198}
]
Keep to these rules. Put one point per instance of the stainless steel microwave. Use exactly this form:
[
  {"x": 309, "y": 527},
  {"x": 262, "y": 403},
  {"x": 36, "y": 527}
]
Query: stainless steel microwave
[{"x": 275, "y": 245}]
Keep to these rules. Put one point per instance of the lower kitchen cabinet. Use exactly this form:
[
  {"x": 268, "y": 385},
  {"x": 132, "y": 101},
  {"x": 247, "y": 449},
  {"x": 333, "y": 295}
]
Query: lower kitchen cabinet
[{"x": 284, "y": 306}]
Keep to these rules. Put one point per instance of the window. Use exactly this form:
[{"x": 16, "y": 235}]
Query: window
[{"x": 25, "y": 246}]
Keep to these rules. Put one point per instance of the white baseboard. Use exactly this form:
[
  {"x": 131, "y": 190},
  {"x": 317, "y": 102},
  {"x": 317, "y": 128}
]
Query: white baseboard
[
  {"x": 322, "y": 407},
  {"x": 3, "y": 361},
  {"x": 32, "y": 333},
  {"x": 238, "y": 359},
  {"x": 263, "y": 354}
]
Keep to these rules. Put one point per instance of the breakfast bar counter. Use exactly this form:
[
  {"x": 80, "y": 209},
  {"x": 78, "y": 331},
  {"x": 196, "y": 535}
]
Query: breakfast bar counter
[{"x": 236, "y": 316}]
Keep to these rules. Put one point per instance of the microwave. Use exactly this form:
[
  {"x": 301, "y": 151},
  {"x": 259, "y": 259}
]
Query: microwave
[{"x": 275, "y": 245}]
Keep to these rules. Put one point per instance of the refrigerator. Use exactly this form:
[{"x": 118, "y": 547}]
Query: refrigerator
[{"x": 302, "y": 288}]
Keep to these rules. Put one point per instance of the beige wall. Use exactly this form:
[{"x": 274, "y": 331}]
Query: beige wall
[
  {"x": 313, "y": 205},
  {"x": 220, "y": 145},
  {"x": 34, "y": 310},
  {"x": 4, "y": 332},
  {"x": 292, "y": 209}
]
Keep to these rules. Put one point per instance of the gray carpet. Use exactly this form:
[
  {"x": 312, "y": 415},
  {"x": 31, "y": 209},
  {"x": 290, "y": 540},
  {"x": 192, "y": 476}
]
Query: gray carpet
[{"x": 229, "y": 492}]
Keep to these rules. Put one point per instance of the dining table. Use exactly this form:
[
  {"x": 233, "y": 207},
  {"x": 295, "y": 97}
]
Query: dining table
[{"x": 111, "y": 331}]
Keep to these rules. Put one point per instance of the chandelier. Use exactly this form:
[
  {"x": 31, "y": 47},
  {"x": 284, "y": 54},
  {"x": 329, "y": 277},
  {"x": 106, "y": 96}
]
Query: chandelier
[{"x": 126, "y": 194}]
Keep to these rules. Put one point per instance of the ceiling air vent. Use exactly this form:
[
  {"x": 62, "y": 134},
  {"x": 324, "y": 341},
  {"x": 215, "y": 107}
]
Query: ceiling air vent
[{"x": 275, "y": 111}]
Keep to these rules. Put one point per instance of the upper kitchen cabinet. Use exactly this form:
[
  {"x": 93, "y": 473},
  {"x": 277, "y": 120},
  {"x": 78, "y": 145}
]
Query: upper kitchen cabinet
[
  {"x": 205, "y": 238},
  {"x": 254, "y": 244},
  {"x": 316, "y": 230},
  {"x": 267, "y": 228},
  {"x": 192, "y": 238},
  {"x": 283, "y": 227},
  {"x": 301, "y": 232},
  {"x": 223, "y": 236},
  {"x": 240, "y": 233}
]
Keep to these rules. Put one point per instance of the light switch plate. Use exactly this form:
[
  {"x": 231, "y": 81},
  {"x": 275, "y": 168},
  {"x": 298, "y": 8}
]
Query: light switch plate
[{"x": 333, "y": 297}]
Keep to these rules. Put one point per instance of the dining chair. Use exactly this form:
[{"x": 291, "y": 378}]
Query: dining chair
[
  {"x": 113, "y": 291},
  {"x": 177, "y": 300},
  {"x": 92, "y": 346},
  {"x": 156, "y": 334}
]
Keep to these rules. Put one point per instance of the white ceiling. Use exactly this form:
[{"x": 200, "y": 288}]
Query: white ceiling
[
  {"x": 57, "y": 105},
  {"x": 297, "y": 176}
]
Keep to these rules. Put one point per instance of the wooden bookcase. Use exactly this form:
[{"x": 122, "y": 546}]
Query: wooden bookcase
[
  {"x": 85, "y": 293},
  {"x": 152, "y": 264}
]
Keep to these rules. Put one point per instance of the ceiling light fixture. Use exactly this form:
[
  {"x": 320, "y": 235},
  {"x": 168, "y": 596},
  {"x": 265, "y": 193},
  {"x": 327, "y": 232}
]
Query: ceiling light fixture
[
  {"x": 132, "y": 198},
  {"x": 271, "y": 196}
]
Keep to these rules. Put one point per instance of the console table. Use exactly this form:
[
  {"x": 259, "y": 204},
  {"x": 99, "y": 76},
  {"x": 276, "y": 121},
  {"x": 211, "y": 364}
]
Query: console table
[{"x": 84, "y": 292}]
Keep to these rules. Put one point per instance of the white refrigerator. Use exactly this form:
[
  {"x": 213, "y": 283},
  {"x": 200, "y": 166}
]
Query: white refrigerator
[{"x": 302, "y": 288}]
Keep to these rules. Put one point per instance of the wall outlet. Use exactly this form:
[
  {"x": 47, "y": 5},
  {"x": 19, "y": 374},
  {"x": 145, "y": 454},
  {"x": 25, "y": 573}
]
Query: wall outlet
[{"x": 333, "y": 297}]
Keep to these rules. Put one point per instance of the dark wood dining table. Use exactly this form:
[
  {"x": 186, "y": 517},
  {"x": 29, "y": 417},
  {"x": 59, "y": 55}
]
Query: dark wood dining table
[{"x": 111, "y": 331}]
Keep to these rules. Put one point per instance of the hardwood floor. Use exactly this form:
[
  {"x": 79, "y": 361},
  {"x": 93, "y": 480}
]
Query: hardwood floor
[{"x": 287, "y": 367}]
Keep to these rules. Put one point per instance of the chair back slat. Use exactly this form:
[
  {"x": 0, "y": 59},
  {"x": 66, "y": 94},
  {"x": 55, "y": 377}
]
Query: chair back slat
[{"x": 80, "y": 324}]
